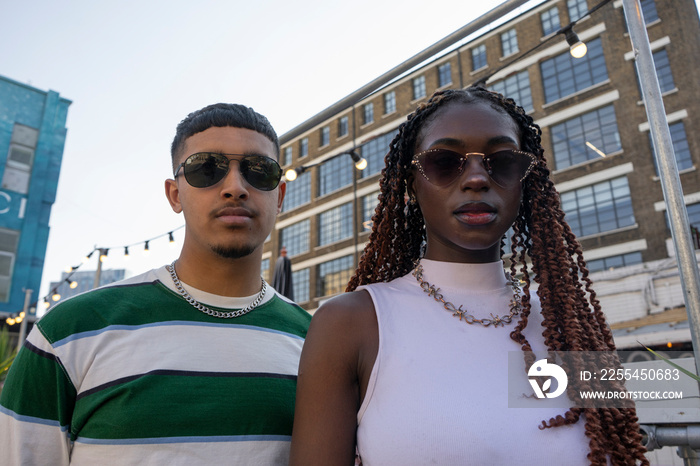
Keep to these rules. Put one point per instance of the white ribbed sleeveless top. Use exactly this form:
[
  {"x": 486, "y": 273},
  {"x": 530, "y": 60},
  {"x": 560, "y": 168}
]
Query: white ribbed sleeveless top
[{"x": 437, "y": 393}]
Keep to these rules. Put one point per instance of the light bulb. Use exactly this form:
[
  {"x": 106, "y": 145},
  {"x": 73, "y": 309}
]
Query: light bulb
[{"x": 578, "y": 50}]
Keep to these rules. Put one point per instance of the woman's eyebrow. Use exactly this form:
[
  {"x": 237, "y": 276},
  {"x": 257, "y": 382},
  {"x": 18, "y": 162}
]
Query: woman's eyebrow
[
  {"x": 447, "y": 142},
  {"x": 454, "y": 142},
  {"x": 501, "y": 140}
]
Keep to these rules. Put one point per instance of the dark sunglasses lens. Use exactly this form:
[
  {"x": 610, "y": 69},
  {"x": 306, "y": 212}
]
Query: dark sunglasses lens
[
  {"x": 261, "y": 172},
  {"x": 441, "y": 166},
  {"x": 204, "y": 170},
  {"x": 507, "y": 167}
]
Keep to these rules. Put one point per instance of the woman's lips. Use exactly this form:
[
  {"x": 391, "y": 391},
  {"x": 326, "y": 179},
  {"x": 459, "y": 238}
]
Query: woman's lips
[{"x": 477, "y": 213}]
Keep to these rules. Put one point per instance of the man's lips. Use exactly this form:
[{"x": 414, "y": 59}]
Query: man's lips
[
  {"x": 234, "y": 215},
  {"x": 476, "y": 213}
]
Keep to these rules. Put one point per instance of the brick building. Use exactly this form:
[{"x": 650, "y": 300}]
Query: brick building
[
  {"x": 32, "y": 137},
  {"x": 595, "y": 135}
]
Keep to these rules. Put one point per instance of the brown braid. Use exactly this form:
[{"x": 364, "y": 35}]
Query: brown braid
[{"x": 573, "y": 319}]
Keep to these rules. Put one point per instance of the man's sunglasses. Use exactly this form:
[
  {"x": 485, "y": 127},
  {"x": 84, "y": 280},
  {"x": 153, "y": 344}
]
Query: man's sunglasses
[
  {"x": 205, "y": 169},
  {"x": 443, "y": 166}
]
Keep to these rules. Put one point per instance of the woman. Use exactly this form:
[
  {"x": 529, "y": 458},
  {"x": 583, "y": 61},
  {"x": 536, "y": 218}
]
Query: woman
[{"x": 388, "y": 370}]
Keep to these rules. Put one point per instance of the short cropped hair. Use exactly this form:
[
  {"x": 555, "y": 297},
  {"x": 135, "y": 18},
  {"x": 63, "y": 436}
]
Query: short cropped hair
[{"x": 222, "y": 115}]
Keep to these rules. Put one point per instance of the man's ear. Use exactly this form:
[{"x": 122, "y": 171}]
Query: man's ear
[
  {"x": 172, "y": 192},
  {"x": 282, "y": 188}
]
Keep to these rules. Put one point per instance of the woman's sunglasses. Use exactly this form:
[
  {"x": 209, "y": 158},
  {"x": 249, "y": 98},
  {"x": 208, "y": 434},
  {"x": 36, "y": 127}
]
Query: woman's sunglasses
[
  {"x": 443, "y": 166},
  {"x": 205, "y": 169}
]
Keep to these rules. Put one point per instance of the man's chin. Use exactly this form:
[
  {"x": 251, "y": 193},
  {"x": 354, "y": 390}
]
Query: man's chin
[{"x": 233, "y": 252}]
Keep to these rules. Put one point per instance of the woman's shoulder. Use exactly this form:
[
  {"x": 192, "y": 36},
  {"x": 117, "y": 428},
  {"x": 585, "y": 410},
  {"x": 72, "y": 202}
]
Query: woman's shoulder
[{"x": 347, "y": 310}]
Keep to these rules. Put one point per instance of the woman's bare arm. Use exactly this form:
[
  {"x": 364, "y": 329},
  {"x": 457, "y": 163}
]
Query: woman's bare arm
[{"x": 335, "y": 365}]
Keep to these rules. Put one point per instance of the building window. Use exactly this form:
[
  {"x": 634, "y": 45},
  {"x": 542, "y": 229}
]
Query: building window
[
  {"x": 389, "y": 102},
  {"x": 333, "y": 276},
  {"x": 509, "y": 42},
  {"x": 20, "y": 159},
  {"x": 300, "y": 285},
  {"x": 374, "y": 152},
  {"x": 564, "y": 75},
  {"x": 295, "y": 237},
  {"x": 265, "y": 269},
  {"x": 585, "y": 137},
  {"x": 444, "y": 74},
  {"x": 577, "y": 9},
  {"x": 369, "y": 204},
  {"x": 298, "y": 192},
  {"x": 663, "y": 70},
  {"x": 694, "y": 215},
  {"x": 334, "y": 174},
  {"x": 550, "y": 21},
  {"x": 649, "y": 11},
  {"x": 8, "y": 252},
  {"x": 598, "y": 208},
  {"x": 335, "y": 224},
  {"x": 607, "y": 263},
  {"x": 343, "y": 126},
  {"x": 419, "y": 88},
  {"x": 680, "y": 147},
  {"x": 516, "y": 87},
  {"x": 287, "y": 157},
  {"x": 304, "y": 147},
  {"x": 479, "y": 57},
  {"x": 325, "y": 138},
  {"x": 367, "y": 113}
]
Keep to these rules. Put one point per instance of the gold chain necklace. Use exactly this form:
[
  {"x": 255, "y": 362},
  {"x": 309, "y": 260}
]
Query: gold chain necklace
[{"x": 515, "y": 304}]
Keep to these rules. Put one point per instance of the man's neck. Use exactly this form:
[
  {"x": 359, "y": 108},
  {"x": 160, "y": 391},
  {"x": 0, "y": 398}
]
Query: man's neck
[{"x": 220, "y": 275}]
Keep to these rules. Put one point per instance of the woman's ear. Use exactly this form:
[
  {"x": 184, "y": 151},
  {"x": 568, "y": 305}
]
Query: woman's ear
[{"x": 410, "y": 186}]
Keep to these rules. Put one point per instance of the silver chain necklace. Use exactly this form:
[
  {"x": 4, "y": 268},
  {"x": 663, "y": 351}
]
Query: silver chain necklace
[
  {"x": 515, "y": 304},
  {"x": 224, "y": 315}
]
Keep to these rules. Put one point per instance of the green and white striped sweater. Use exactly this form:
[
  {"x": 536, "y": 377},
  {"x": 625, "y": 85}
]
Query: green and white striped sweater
[{"x": 133, "y": 374}]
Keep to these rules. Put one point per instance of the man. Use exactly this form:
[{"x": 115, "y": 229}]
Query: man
[
  {"x": 191, "y": 363},
  {"x": 282, "y": 277}
]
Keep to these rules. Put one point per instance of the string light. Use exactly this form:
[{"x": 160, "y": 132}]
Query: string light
[
  {"x": 145, "y": 248},
  {"x": 54, "y": 295},
  {"x": 577, "y": 49}
]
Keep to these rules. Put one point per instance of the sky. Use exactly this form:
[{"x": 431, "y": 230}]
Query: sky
[{"x": 134, "y": 69}]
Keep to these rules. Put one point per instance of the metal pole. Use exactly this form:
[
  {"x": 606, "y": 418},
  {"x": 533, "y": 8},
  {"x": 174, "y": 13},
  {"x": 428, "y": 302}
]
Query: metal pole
[
  {"x": 355, "y": 220},
  {"x": 668, "y": 170},
  {"x": 23, "y": 325},
  {"x": 98, "y": 272}
]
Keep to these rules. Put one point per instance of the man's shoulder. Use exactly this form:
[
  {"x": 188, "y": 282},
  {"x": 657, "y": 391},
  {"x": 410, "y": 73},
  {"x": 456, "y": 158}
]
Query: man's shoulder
[
  {"x": 282, "y": 314},
  {"x": 102, "y": 306}
]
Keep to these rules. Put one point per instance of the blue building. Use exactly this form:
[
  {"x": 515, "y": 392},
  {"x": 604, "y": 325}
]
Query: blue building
[{"x": 32, "y": 136}]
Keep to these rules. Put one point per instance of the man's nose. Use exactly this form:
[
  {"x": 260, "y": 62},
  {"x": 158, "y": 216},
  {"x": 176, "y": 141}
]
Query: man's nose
[{"x": 234, "y": 184}]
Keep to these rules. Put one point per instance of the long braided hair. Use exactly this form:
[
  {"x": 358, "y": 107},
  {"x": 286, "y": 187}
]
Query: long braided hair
[{"x": 573, "y": 319}]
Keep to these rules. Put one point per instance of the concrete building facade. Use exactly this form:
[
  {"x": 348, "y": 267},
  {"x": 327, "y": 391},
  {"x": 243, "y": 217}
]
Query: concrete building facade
[
  {"x": 595, "y": 135},
  {"x": 32, "y": 137}
]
